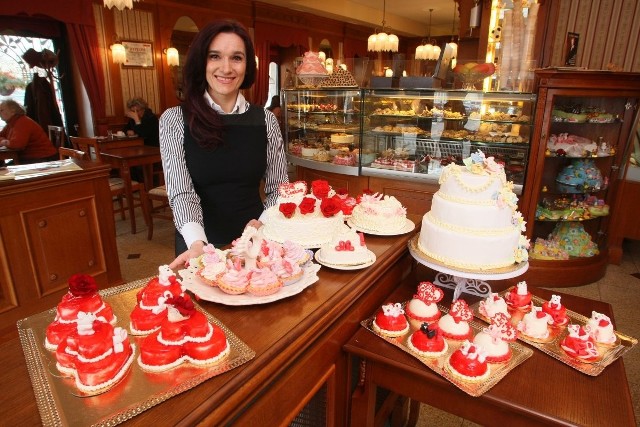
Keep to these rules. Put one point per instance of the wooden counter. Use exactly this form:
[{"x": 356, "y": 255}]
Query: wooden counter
[
  {"x": 50, "y": 228},
  {"x": 298, "y": 343}
]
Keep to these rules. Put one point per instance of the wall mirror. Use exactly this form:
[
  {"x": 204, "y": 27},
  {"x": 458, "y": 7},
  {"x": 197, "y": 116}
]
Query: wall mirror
[{"x": 184, "y": 31}]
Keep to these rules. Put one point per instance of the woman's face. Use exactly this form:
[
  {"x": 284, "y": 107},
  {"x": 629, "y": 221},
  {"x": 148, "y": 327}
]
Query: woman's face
[
  {"x": 5, "y": 113},
  {"x": 226, "y": 67}
]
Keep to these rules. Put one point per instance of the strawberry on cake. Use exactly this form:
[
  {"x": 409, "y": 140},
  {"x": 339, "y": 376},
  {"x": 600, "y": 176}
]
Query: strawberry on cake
[
  {"x": 601, "y": 330},
  {"x": 427, "y": 341},
  {"x": 468, "y": 363},
  {"x": 493, "y": 305},
  {"x": 150, "y": 309},
  {"x": 390, "y": 320},
  {"x": 534, "y": 325},
  {"x": 96, "y": 354},
  {"x": 556, "y": 310},
  {"x": 495, "y": 339},
  {"x": 185, "y": 336},
  {"x": 579, "y": 344},
  {"x": 424, "y": 304},
  {"x": 455, "y": 324},
  {"x": 519, "y": 297},
  {"x": 83, "y": 297}
]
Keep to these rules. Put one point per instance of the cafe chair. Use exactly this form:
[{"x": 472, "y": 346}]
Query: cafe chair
[
  {"x": 116, "y": 184},
  {"x": 56, "y": 135},
  {"x": 71, "y": 153},
  {"x": 160, "y": 209}
]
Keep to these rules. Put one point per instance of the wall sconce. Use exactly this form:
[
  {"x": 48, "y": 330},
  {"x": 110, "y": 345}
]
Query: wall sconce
[
  {"x": 118, "y": 53},
  {"x": 257, "y": 63},
  {"x": 173, "y": 57}
]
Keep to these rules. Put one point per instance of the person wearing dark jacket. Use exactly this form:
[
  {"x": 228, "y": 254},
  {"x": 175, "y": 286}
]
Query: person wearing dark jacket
[{"x": 142, "y": 122}]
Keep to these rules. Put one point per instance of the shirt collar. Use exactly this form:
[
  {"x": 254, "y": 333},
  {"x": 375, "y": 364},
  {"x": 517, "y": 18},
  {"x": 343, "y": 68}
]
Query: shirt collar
[{"x": 239, "y": 108}]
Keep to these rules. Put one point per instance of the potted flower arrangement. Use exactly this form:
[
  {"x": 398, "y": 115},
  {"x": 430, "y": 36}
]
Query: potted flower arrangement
[{"x": 9, "y": 83}]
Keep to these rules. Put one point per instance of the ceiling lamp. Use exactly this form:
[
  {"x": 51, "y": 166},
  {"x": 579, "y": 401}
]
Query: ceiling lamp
[
  {"x": 452, "y": 44},
  {"x": 428, "y": 51},
  {"x": 118, "y": 53},
  {"x": 119, "y": 4},
  {"x": 383, "y": 42}
]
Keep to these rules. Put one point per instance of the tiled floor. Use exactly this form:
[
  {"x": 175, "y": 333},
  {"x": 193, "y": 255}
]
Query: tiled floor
[{"x": 140, "y": 258}]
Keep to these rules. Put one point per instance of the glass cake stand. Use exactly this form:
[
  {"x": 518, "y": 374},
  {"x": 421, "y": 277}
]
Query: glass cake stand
[{"x": 469, "y": 281}]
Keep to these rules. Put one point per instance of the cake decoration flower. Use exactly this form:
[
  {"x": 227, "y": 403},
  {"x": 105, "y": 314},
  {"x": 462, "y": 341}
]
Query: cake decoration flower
[
  {"x": 287, "y": 209},
  {"x": 393, "y": 310},
  {"x": 82, "y": 285},
  {"x": 329, "y": 207},
  {"x": 307, "y": 205},
  {"x": 320, "y": 188}
]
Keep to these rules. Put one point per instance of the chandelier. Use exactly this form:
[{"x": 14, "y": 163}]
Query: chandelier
[
  {"x": 382, "y": 42},
  {"x": 119, "y": 4},
  {"x": 428, "y": 51}
]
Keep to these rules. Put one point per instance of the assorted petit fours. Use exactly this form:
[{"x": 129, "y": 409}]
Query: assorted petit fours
[
  {"x": 150, "y": 309},
  {"x": 427, "y": 341},
  {"x": 493, "y": 305},
  {"x": 556, "y": 310},
  {"x": 579, "y": 344},
  {"x": 185, "y": 335},
  {"x": 469, "y": 363},
  {"x": 535, "y": 325},
  {"x": 82, "y": 298},
  {"x": 235, "y": 279},
  {"x": 263, "y": 281},
  {"x": 601, "y": 330},
  {"x": 213, "y": 263},
  {"x": 423, "y": 306},
  {"x": 455, "y": 324},
  {"x": 390, "y": 320},
  {"x": 95, "y": 353},
  {"x": 495, "y": 339},
  {"x": 519, "y": 297}
]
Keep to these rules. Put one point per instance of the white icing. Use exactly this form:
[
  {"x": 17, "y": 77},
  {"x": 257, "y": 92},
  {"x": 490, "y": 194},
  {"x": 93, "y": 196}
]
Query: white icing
[
  {"x": 346, "y": 249},
  {"x": 379, "y": 213},
  {"x": 534, "y": 326},
  {"x": 449, "y": 325},
  {"x": 492, "y": 346},
  {"x": 419, "y": 308},
  {"x": 308, "y": 230}
]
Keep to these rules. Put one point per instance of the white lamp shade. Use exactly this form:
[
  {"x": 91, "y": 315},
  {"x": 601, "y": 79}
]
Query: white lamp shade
[
  {"x": 420, "y": 52},
  {"x": 436, "y": 52},
  {"x": 454, "y": 49},
  {"x": 371, "y": 42},
  {"x": 381, "y": 42},
  {"x": 118, "y": 53},
  {"x": 173, "y": 58},
  {"x": 328, "y": 64},
  {"x": 322, "y": 56},
  {"x": 119, "y": 4},
  {"x": 388, "y": 72},
  {"x": 393, "y": 43}
]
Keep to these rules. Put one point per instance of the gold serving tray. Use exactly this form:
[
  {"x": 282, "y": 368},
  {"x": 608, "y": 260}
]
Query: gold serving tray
[
  {"x": 519, "y": 352},
  {"x": 551, "y": 346},
  {"x": 59, "y": 401}
]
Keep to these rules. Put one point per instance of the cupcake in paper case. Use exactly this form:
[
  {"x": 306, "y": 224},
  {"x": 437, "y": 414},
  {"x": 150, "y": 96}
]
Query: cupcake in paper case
[
  {"x": 296, "y": 252},
  {"x": 263, "y": 282},
  {"x": 235, "y": 279},
  {"x": 287, "y": 270}
]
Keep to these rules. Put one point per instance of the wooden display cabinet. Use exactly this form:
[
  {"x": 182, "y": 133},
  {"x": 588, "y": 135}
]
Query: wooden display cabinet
[{"x": 599, "y": 106}]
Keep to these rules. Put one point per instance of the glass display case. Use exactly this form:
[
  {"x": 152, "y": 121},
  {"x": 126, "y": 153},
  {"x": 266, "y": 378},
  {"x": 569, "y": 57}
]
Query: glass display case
[
  {"x": 582, "y": 137},
  {"x": 322, "y": 128},
  {"x": 415, "y": 133},
  {"x": 406, "y": 133}
]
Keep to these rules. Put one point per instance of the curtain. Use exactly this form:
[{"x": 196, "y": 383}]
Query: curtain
[{"x": 261, "y": 85}]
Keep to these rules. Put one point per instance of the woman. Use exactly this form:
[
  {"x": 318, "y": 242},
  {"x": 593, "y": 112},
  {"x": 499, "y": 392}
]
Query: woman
[
  {"x": 25, "y": 135},
  {"x": 142, "y": 121},
  {"x": 216, "y": 148}
]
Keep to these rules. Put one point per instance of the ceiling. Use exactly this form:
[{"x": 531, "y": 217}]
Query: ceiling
[{"x": 408, "y": 18}]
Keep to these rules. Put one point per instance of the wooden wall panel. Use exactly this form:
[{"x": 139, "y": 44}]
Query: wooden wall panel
[{"x": 609, "y": 33}]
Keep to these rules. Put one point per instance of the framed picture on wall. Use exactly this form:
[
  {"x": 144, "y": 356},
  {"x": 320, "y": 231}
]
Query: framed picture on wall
[
  {"x": 571, "y": 49},
  {"x": 139, "y": 54}
]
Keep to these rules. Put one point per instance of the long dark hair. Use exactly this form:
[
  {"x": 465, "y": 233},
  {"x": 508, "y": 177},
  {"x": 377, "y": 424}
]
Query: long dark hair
[{"x": 204, "y": 123}]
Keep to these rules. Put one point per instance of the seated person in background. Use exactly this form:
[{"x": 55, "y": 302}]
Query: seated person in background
[
  {"x": 25, "y": 135},
  {"x": 142, "y": 122},
  {"x": 275, "y": 107}
]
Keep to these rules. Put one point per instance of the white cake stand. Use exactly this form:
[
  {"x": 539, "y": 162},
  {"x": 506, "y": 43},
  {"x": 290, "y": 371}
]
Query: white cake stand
[{"x": 471, "y": 282}]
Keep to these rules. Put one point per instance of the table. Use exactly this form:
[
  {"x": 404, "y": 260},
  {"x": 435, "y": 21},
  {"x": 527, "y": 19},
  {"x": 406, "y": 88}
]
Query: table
[
  {"x": 9, "y": 154},
  {"x": 298, "y": 343},
  {"x": 127, "y": 141},
  {"x": 124, "y": 158},
  {"x": 540, "y": 391}
]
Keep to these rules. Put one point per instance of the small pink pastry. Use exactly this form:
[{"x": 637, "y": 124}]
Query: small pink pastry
[
  {"x": 455, "y": 324},
  {"x": 235, "y": 280},
  {"x": 423, "y": 306},
  {"x": 556, "y": 310},
  {"x": 519, "y": 297},
  {"x": 263, "y": 282}
]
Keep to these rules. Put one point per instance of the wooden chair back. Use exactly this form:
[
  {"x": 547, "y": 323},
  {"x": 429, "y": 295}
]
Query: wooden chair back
[
  {"x": 56, "y": 135},
  {"x": 71, "y": 153},
  {"x": 88, "y": 145}
]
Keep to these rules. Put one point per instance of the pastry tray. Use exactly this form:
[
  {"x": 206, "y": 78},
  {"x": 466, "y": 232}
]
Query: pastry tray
[
  {"x": 551, "y": 346},
  {"x": 519, "y": 352},
  {"x": 60, "y": 403}
]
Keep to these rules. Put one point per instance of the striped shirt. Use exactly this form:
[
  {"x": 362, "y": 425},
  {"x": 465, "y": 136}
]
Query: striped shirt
[{"x": 184, "y": 202}]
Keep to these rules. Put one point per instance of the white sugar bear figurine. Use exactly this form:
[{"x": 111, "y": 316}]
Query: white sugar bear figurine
[
  {"x": 555, "y": 301},
  {"x": 601, "y": 328}
]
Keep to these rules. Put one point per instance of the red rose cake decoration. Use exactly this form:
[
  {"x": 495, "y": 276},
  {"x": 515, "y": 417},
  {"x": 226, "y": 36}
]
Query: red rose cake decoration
[
  {"x": 423, "y": 306},
  {"x": 150, "y": 309},
  {"x": 455, "y": 324},
  {"x": 390, "y": 320},
  {"x": 185, "y": 336},
  {"x": 96, "y": 354},
  {"x": 82, "y": 298}
]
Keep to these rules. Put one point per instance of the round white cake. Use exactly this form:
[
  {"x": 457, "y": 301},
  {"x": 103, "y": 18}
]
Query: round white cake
[
  {"x": 342, "y": 138},
  {"x": 379, "y": 214},
  {"x": 473, "y": 222},
  {"x": 346, "y": 248}
]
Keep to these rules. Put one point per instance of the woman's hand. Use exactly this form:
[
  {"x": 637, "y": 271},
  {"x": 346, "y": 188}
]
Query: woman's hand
[
  {"x": 254, "y": 223},
  {"x": 196, "y": 249}
]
